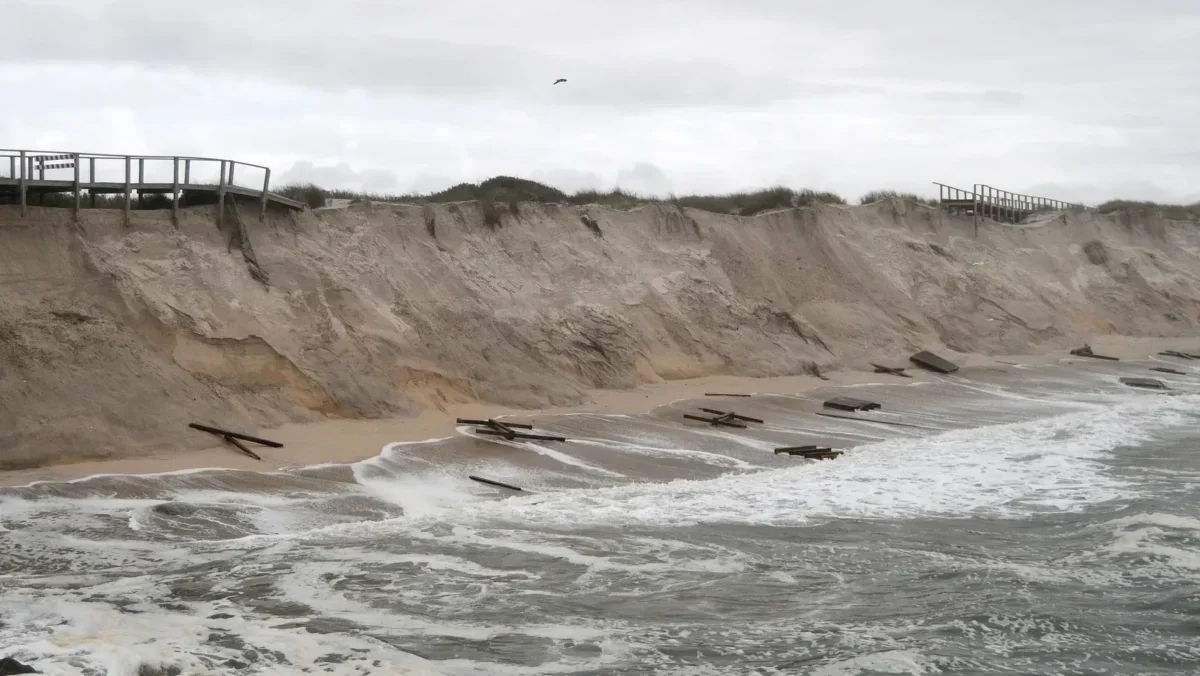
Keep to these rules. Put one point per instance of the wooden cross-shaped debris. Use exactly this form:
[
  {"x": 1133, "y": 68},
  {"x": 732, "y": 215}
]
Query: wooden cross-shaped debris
[
  {"x": 723, "y": 418},
  {"x": 890, "y": 370},
  {"x": 507, "y": 430}
]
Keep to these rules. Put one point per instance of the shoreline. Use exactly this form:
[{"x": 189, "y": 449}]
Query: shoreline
[{"x": 347, "y": 441}]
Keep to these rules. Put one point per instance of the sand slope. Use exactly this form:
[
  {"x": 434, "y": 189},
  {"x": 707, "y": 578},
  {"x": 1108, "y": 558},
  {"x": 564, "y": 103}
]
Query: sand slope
[{"x": 113, "y": 338}]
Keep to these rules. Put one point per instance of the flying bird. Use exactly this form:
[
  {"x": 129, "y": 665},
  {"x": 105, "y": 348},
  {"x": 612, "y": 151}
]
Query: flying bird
[{"x": 560, "y": 80}]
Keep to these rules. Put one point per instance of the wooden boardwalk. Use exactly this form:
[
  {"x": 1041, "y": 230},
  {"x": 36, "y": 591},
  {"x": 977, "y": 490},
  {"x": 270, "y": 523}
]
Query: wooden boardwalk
[
  {"x": 23, "y": 173},
  {"x": 996, "y": 204}
]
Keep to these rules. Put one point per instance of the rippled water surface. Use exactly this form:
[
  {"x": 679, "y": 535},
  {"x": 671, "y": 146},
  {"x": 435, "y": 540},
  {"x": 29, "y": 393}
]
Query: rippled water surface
[{"x": 1028, "y": 521}]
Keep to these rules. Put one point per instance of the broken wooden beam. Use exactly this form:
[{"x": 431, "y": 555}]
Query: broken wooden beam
[
  {"x": 1177, "y": 353},
  {"x": 889, "y": 370},
  {"x": 1086, "y": 351},
  {"x": 931, "y": 361},
  {"x": 873, "y": 420},
  {"x": 1162, "y": 369},
  {"x": 722, "y": 394},
  {"x": 851, "y": 404},
  {"x": 236, "y": 435},
  {"x": 511, "y": 435},
  {"x": 715, "y": 421},
  {"x": 789, "y": 449},
  {"x": 492, "y": 423},
  {"x": 242, "y": 447},
  {"x": 732, "y": 415},
  {"x": 1145, "y": 383},
  {"x": 493, "y": 482}
]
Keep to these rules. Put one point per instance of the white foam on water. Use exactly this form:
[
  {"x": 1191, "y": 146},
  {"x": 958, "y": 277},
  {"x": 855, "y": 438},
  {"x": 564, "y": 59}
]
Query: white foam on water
[
  {"x": 1164, "y": 544},
  {"x": 1004, "y": 470},
  {"x": 896, "y": 662},
  {"x": 63, "y": 635}
]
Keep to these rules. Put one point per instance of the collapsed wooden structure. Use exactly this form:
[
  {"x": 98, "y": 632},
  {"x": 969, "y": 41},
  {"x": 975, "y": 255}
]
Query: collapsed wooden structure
[
  {"x": 235, "y": 439},
  {"x": 509, "y": 431}
]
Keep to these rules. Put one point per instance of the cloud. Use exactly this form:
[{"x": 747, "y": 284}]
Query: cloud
[{"x": 718, "y": 95}]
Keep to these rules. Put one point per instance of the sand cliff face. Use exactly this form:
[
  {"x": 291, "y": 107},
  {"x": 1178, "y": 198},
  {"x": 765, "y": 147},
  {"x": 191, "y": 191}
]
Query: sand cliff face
[{"x": 114, "y": 337}]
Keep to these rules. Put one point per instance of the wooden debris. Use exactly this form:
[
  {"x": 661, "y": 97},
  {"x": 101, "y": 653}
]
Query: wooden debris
[
  {"x": 725, "y": 420},
  {"x": 236, "y": 435},
  {"x": 509, "y": 431},
  {"x": 872, "y": 420},
  {"x": 242, "y": 447},
  {"x": 789, "y": 449},
  {"x": 511, "y": 435},
  {"x": 1177, "y": 353},
  {"x": 492, "y": 423},
  {"x": 933, "y": 362},
  {"x": 889, "y": 370},
  {"x": 493, "y": 482},
  {"x": 1146, "y": 383},
  {"x": 1161, "y": 369},
  {"x": 1086, "y": 351},
  {"x": 851, "y": 404},
  {"x": 720, "y": 394},
  {"x": 732, "y": 415},
  {"x": 810, "y": 452}
]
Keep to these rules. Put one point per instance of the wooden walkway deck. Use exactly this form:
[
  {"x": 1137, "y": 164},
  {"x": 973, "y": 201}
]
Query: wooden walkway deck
[
  {"x": 24, "y": 173},
  {"x": 996, "y": 204}
]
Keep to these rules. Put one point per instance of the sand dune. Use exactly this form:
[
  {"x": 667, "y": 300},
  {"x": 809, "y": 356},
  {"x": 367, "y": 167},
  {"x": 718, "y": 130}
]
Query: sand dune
[{"x": 113, "y": 338}]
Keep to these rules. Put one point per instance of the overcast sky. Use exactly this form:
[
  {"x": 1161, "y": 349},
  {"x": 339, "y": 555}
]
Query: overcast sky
[{"x": 1072, "y": 99}]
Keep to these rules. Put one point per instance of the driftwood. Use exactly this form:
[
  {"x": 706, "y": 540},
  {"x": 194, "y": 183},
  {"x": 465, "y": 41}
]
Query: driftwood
[
  {"x": 722, "y": 394},
  {"x": 725, "y": 421},
  {"x": 509, "y": 431},
  {"x": 235, "y": 435},
  {"x": 1086, "y": 351},
  {"x": 851, "y": 404},
  {"x": 731, "y": 415},
  {"x": 493, "y": 482},
  {"x": 889, "y": 370},
  {"x": 1161, "y": 369},
  {"x": 242, "y": 447},
  {"x": 1177, "y": 353},
  {"x": 931, "y": 361}
]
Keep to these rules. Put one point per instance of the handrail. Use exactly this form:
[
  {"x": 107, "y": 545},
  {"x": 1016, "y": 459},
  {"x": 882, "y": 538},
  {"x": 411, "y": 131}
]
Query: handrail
[
  {"x": 30, "y": 152},
  {"x": 27, "y": 168},
  {"x": 996, "y": 203}
]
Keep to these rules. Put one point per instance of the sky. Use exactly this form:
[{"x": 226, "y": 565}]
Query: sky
[{"x": 1069, "y": 99}]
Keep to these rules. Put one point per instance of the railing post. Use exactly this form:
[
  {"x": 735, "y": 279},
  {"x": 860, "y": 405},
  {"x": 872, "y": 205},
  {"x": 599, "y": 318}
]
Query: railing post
[
  {"x": 975, "y": 208},
  {"x": 128, "y": 171},
  {"x": 187, "y": 172},
  {"x": 232, "y": 164},
  {"x": 22, "y": 189},
  {"x": 77, "y": 195},
  {"x": 92, "y": 179},
  {"x": 266, "y": 187},
  {"x": 175, "y": 193},
  {"x": 221, "y": 198}
]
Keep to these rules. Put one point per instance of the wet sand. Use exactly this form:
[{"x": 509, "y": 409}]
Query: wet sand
[{"x": 348, "y": 441}]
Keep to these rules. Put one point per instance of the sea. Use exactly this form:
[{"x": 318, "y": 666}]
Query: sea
[{"x": 1007, "y": 520}]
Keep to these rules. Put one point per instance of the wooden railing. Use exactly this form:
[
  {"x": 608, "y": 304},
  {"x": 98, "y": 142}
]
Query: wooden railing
[
  {"x": 25, "y": 172},
  {"x": 984, "y": 200}
]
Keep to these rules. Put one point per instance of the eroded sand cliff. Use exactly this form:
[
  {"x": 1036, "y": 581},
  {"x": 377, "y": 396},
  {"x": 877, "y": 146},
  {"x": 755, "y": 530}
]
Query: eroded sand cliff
[{"x": 114, "y": 337}]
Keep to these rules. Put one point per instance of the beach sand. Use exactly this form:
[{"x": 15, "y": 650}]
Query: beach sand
[{"x": 348, "y": 441}]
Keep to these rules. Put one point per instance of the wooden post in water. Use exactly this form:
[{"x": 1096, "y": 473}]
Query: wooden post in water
[
  {"x": 266, "y": 187},
  {"x": 175, "y": 192},
  {"x": 23, "y": 181},
  {"x": 77, "y": 195},
  {"x": 128, "y": 171}
]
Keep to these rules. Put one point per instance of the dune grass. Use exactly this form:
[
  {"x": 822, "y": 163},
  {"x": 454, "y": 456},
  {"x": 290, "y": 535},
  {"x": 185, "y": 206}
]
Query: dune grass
[{"x": 1177, "y": 212}]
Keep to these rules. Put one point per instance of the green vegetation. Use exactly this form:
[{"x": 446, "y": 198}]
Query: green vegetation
[
  {"x": 511, "y": 191},
  {"x": 1178, "y": 212},
  {"x": 880, "y": 195}
]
